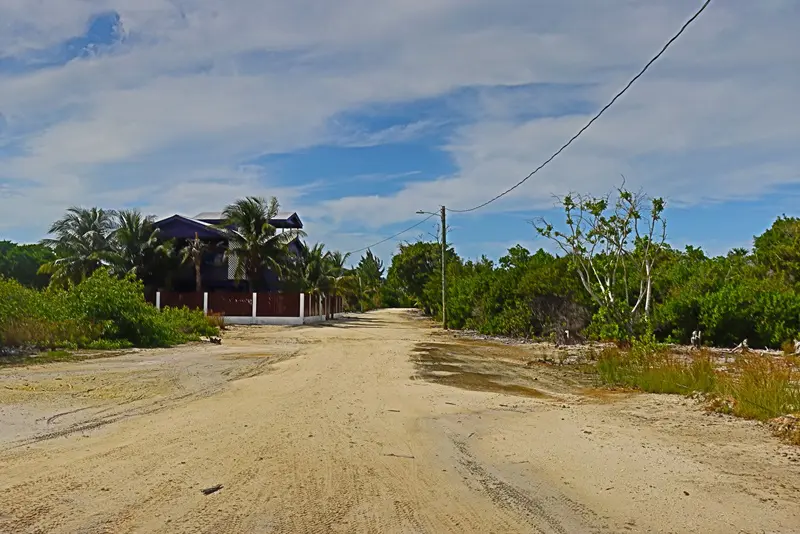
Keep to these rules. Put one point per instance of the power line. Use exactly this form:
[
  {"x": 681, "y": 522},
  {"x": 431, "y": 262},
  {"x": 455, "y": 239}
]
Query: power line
[
  {"x": 392, "y": 236},
  {"x": 586, "y": 127}
]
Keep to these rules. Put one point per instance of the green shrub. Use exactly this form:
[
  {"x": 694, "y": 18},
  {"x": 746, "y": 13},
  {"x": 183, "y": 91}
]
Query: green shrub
[
  {"x": 108, "y": 344},
  {"x": 29, "y": 317},
  {"x": 102, "y": 312},
  {"x": 18, "y": 301},
  {"x": 190, "y": 323},
  {"x": 49, "y": 334},
  {"x": 118, "y": 304}
]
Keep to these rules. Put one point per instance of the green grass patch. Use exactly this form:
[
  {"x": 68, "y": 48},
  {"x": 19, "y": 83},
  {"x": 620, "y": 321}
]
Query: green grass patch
[{"x": 657, "y": 372}]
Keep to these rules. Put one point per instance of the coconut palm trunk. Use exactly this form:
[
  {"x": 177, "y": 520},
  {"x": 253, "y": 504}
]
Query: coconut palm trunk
[
  {"x": 194, "y": 252},
  {"x": 198, "y": 276}
]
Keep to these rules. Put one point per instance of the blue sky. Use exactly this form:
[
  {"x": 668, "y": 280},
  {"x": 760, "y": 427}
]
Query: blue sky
[{"x": 358, "y": 113}]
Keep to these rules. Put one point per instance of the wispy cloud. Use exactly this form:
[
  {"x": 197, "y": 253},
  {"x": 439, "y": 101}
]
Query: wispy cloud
[{"x": 167, "y": 104}]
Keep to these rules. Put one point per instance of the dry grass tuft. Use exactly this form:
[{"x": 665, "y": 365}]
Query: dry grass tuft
[
  {"x": 753, "y": 386},
  {"x": 217, "y": 320}
]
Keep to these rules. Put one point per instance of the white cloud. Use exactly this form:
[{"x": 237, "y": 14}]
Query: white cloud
[{"x": 200, "y": 87}]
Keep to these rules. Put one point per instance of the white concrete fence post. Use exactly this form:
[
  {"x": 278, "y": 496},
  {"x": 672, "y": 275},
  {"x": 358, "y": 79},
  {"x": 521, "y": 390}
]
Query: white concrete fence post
[
  {"x": 255, "y": 303},
  {"x": 158, "y": 300},
  {"x": 205, "y": 303},
  {"x": 302, "y": 306}
]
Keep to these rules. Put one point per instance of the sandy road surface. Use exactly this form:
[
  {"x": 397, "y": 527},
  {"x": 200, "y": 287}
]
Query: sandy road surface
[{"x": 375, "y": 424}]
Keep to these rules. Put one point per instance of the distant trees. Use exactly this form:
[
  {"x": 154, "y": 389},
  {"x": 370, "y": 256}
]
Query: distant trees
[
  {"x": 523, "y": 294},
  {"x": 415, "y": 276},
  {"x": 369, "y": 279},
  {"x": 22, "y": 263},
  {"x": 324, "y": 273},
  {"x": 126, "y": 242},
  {"x": 135, "y": 244},
  {"x": 615, "y": 278}
]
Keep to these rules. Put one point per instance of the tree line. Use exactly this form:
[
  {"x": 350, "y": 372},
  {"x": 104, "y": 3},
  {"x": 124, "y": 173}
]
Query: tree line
[{"x": 615, "y": 278}]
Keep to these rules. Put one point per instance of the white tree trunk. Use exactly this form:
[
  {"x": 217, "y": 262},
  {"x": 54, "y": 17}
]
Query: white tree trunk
[{"x": 649, "y": 291}]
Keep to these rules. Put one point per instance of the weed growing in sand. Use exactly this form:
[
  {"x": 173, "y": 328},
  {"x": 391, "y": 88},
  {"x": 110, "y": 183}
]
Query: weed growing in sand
[
  {"x": 656, "y": 372},
  {"x": 754, "y": 386},
  {"x": 761, "y": 387},
  {"x": 216, "y": 320}
]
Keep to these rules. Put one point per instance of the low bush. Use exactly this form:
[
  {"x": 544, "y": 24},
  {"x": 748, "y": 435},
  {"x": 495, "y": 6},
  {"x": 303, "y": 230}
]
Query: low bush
[
  {"x": 102, "y": 312},
  {"x": 49, "y": 334},
  {"x": 191, "y": 323},
  {"x": 34, "y": 318},
  {"x": 119, "y": 305},
  {"x": 216, "y": 320}
]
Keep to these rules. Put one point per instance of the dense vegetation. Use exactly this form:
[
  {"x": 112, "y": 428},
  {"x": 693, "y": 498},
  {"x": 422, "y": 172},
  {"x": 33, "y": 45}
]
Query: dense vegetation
[
  {"x": 22, "y": 263},
  {"x": 615, "y": 278},
  {"x": 613, "y": 282}
]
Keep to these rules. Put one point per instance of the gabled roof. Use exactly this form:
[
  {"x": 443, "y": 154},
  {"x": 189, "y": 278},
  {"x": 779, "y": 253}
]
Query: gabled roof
[
  {"x": 286, "y": 219},
  {"x": 184, "y": 227}
]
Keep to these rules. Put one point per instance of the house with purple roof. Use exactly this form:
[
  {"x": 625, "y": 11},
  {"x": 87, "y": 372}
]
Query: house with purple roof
[{"x": 218, "y": 270}]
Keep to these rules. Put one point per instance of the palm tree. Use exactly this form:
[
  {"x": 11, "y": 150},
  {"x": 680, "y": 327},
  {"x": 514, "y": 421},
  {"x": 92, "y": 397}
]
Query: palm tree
[
  {"x": 136, "y": 243},
  {"x": 308, "y": 271},
  {"x": 340, "y": 279},
  {"x": 82, "y": 244},
  {"x": 194, "y": 251},
  {"x": 254, "y": 243},
  {"x": 369, "y": 271},
  {"x": 366, "y": 291},
  {"x": 313, "y": 275}
]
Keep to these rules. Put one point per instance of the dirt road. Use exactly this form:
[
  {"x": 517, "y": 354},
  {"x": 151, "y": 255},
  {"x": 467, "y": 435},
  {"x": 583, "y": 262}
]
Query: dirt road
[{"x": 374, "y": 424}]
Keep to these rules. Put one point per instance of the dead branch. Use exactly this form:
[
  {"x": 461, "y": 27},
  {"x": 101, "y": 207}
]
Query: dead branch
[{"x": 741, "y": 347}]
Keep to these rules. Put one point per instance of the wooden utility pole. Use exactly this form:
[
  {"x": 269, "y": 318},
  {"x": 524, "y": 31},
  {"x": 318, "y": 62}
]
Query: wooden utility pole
[
  {"x": 444, "y": 268},
  {"x": 444, "y": 260}
]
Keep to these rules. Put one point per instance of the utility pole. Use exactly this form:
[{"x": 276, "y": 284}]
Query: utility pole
[
  {"x": 443, "y": 214},
  {"x": 444, "y": 268}
]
